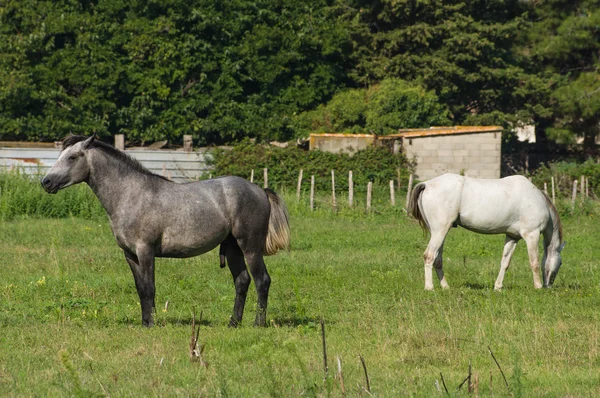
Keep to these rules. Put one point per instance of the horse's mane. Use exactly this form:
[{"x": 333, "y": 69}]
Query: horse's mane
[
  {"x": 110, "y": 151},
  {"x": 556, "y": 217}
]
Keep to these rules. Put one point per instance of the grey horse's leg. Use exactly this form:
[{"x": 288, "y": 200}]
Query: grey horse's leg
[
  {"x": 241, "y": 279},
  {"x": 142, "y": 267},
  {"x": 262, "y": 281}
]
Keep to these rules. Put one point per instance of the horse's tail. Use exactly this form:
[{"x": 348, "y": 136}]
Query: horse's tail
[
  {"x": 413, "y": 205},
  {"x": 278, "y": 235}
]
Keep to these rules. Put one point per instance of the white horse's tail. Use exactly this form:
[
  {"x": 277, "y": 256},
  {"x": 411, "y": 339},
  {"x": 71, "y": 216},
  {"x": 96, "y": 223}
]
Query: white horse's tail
[
  {"x": 413, "y": 206},
  {"x": 278, "y": 235}
]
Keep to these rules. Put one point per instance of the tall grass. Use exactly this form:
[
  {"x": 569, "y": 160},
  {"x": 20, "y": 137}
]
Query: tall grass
[{"x": 22, "y": 195}]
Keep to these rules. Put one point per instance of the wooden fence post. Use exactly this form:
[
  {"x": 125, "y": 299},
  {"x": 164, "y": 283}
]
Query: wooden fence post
[
  {"x": 408, "y": 192},
  {"x": 369, "y": 194},
  {"x": 333, "y": 201},
  {"x": 553, "y": 197},
  {"x": 187, "y": 143},
  {"x": 120, "y": 141},
  {"x": 350, "y": 189},
  {"x": 266, "y": 178},
  {"x": 574, "y": 195},
  {"x": 392, "y": 193},
  {"x": 299, "y": 187},
  {"x": 312, "y": 192},
  {"x": 546, "y": 189},
  {"x": 252, "y": 176}
]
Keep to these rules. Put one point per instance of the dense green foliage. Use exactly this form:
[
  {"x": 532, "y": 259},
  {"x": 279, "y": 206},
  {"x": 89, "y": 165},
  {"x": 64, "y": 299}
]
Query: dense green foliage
[
  {"x": 381, "y": 109},
  {"x": 284, "y": 164},
  {"x": 222, "y": 71}
]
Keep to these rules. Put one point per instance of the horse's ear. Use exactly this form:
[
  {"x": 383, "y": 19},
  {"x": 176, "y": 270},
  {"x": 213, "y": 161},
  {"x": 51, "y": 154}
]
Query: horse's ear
[
  {"x": 562, "y": 246},
  {"x": 88, "y": 142}
]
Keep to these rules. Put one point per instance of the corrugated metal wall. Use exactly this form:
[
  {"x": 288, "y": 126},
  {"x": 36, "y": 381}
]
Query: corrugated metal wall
[{"x": 177, "y": 165}]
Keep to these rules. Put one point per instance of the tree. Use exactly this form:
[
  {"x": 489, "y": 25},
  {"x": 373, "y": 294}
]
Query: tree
[
  {"x": 382, "y": 109},
  {"x": 561, "y": 52}
]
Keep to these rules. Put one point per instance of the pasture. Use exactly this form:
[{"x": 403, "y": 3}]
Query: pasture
[{"x": 70, "y": 317}]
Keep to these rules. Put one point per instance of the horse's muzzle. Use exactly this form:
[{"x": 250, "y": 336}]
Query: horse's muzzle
[{"x": 48, "y": 185}]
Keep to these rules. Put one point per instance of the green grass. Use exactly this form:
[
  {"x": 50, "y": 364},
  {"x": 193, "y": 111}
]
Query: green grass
[{"x": 70, "y": 318}]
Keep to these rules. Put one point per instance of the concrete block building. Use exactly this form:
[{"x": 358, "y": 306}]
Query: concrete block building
[{"x": 474, "y": 151}]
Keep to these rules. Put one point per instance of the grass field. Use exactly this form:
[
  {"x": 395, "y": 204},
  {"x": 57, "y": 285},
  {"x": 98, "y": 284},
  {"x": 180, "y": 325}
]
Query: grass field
[{"x": 70, "y": 322}]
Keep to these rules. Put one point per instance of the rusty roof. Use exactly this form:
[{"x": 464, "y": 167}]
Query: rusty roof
[{"x": 432, "y": 131}]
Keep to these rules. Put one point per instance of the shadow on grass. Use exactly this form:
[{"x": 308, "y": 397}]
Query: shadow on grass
[
  {"x": 477, "y": 286},
  {"x": 293, "y": 322},
  {"x": 163, "y": 321}
]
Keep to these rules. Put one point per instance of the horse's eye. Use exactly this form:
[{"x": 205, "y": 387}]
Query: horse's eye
[{"x": 73, "y": 157}]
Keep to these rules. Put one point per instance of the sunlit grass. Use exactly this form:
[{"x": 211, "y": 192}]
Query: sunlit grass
[{"x": 70, "y": 320}]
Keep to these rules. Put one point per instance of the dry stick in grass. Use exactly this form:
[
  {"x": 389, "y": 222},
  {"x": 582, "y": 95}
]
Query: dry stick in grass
[
  {"x": 369, "y": 195},
  {"x": 364, "y": 365},
  {"x": 476, "y": 384},
  {"x": 350, "y": 189},
  {"x": 333, "y": 201},
  {"x": 501, "y": 372},
  {"x": 195, "y": 353},
  {"x": 410, "y": 182},
  {"x": 444, "y": 383},
  {"x": 466, "y": 380},
  {"x": 299, "y": 187},
  {"x": 312, "y": 192},
  {"x": 574, "y": 197},
  {"x": 470, "y": 385},
  {"x": 325, "y": 367},
  {"x": 341, "y": 376}
]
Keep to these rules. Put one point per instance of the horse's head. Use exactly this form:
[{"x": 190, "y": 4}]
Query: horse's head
[
  {"x": 71, "y": 167},
  {"x": 553, "y": 263}
]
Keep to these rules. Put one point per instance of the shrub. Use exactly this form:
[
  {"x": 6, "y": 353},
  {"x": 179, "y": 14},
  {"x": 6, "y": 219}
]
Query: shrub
[{"x": 284, "y": 164}]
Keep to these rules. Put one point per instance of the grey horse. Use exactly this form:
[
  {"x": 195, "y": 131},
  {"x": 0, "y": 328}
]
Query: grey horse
[{"x": 151, "y": 216}]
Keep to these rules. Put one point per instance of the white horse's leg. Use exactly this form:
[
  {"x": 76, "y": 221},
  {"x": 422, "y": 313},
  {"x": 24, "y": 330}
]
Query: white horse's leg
[
  {"x": 532, "y": 240},
  {"x": 437, "y": 264},
  {"x": 509, "y": 248},
  {"x": 433, "y": 251}
]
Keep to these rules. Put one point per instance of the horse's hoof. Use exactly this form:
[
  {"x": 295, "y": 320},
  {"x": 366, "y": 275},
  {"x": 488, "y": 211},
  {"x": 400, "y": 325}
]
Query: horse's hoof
[{"x": 429, "y": 288}]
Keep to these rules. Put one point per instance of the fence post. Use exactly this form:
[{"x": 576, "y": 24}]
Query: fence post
[
  {"x": 187, "y": 143},
  {"x": 369, "y": 195},
  {"x": 312, "y": 192},
  {"x": 392, "y": 193},
  {"x": 266, "y": 178},
  {"x": 252, "y": 176},
  {"x": 410, "y": 182},
  {"x": 120, "y": 141},
  {"x": 350, "y": 189},
  {"x": 299, "y": 187},
  {"x": 553, "y": 197},
  {"x": 574, "y": 195},
  {"x": 333, "y": 201},
  {"x": 546, "y": 189}
]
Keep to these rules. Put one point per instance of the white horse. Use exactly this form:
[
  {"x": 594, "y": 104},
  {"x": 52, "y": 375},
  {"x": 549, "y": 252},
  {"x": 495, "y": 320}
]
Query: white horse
[{"x": 511, "y": 206}]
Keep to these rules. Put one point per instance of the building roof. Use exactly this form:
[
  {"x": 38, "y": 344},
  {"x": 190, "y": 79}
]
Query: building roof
[{"x": 433, "y": 131}]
